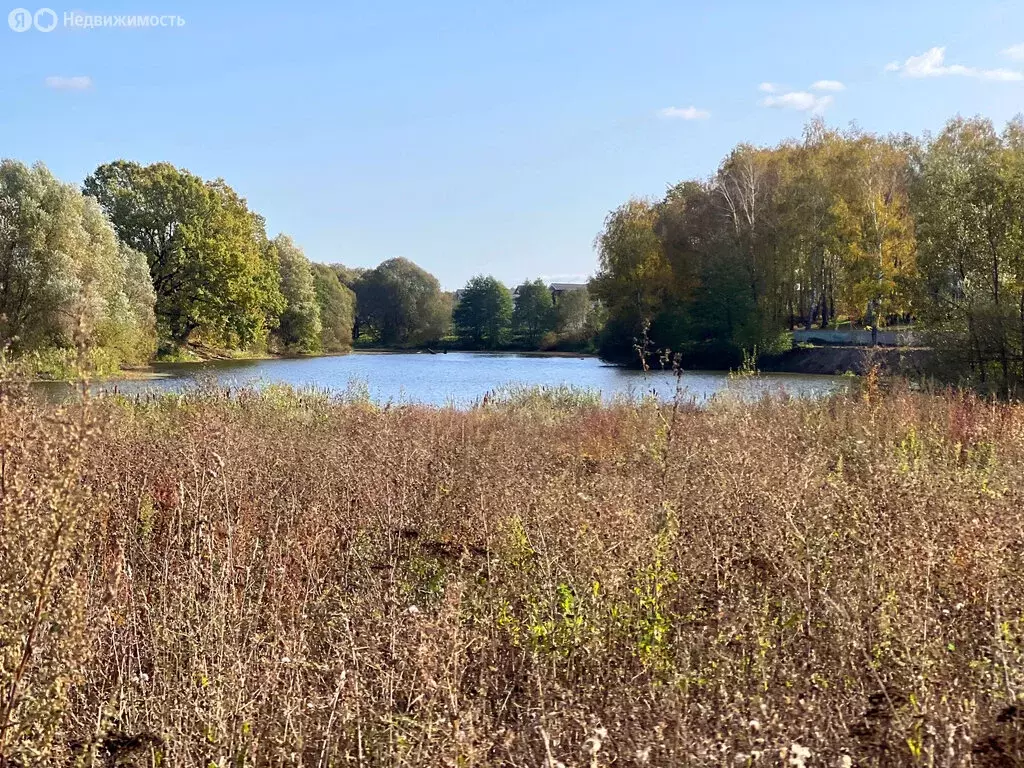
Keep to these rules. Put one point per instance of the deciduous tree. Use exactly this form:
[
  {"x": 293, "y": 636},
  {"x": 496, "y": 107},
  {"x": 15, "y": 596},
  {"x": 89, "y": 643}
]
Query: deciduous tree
[
  {"x": 206, "y": 250},
  {"x": 64, "y": 278},
  {"x": 534, "y": 313},
  {"x": 403, "y": 303},
  {"x": 483, "y": 314},
  {"x": 968, "y": 216},
  {"x": 300, "y": 323},
  {"x": 337, "y": 309}
]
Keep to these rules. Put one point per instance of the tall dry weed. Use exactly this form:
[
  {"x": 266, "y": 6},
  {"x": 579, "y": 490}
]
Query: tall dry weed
[{"x": 289, "y": 579}]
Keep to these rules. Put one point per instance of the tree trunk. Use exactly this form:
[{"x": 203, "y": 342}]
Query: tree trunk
[{"x": 977, "y": 346}]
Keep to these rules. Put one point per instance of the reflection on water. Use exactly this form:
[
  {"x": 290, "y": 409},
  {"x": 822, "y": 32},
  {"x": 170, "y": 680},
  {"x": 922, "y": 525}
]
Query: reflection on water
[{"x": 457, "y": 378}]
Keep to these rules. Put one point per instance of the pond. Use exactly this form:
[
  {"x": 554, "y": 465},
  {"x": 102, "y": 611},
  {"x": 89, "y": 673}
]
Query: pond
[{"x": 456, "y": 378}]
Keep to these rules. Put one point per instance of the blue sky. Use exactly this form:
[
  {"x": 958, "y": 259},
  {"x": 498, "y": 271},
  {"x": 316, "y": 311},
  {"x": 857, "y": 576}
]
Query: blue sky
[{"x": 488, "y": 136}]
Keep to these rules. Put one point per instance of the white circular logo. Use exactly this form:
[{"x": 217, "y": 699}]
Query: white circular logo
[
  {"x": 45, "y": 19},
  {"x": 20, "y": 19}
]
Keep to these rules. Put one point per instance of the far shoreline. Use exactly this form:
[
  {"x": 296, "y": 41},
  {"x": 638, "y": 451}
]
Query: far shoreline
[
  {"x": 817, "y": 361},
  {"x": 432, "y": 351}
]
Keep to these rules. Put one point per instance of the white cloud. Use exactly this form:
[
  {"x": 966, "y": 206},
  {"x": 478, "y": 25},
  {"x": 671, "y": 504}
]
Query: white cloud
[
  {"x": 77, "y": 83},
  {"x": 929, "y": 64},
  {"x": 802, "y": 101},
  {"x": 685, "y": 113},
  {"x": 1015, "y": 52},
  {"x": 932, "y": 63},
  {"x": 1002, "y": 75},
  {"x": 576, "y": 277}
]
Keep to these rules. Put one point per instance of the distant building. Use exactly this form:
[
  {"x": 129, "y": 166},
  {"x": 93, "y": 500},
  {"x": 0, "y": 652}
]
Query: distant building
[{"x": 558, "y": 289}]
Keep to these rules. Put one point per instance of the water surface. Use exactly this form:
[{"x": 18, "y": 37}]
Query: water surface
[{"x": 457, "y": 378}]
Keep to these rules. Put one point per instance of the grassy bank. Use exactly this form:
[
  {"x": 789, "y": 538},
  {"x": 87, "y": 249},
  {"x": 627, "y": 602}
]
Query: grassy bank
[
  {"x": 68, "y": 365},
  {"x": 282, "y": 579}
]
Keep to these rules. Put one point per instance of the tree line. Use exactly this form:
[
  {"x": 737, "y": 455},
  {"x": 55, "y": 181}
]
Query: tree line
[
  {"x": 148, "y": 260},
  {"x": 399, "y": 304},
  {"x": 839, "y": 226}
]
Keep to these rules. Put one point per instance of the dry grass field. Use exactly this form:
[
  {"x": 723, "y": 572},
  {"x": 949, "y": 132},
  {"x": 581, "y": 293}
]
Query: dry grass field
[{"x": 280, "y": 578}]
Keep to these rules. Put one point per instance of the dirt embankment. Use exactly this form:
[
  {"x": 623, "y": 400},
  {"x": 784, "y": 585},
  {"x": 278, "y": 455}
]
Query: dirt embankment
[{"x": 906, "y": 361}]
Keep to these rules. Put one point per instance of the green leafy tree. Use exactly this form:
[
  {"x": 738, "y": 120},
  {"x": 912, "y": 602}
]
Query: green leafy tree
[
  {"x": 969, "y": 207},
  {"x": 214, "y": 277},
  {"x": 573, "y": 313},
  {"x": 121, "y": 297},
  {"x": 65, "y": 281},
  {"x": 300, "y": 326},
  {"x": 245, "y": 294},
  {"x": 534, "y": 313},
  {"x": 633, "y": 279},
  {"x": 483, "y": 314},
  {"x": 337, "y": 309},
  {"x": 38, "y": 229},
  {"x": 402, "y": 303},
  {"x": 348, "y": 276}
]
